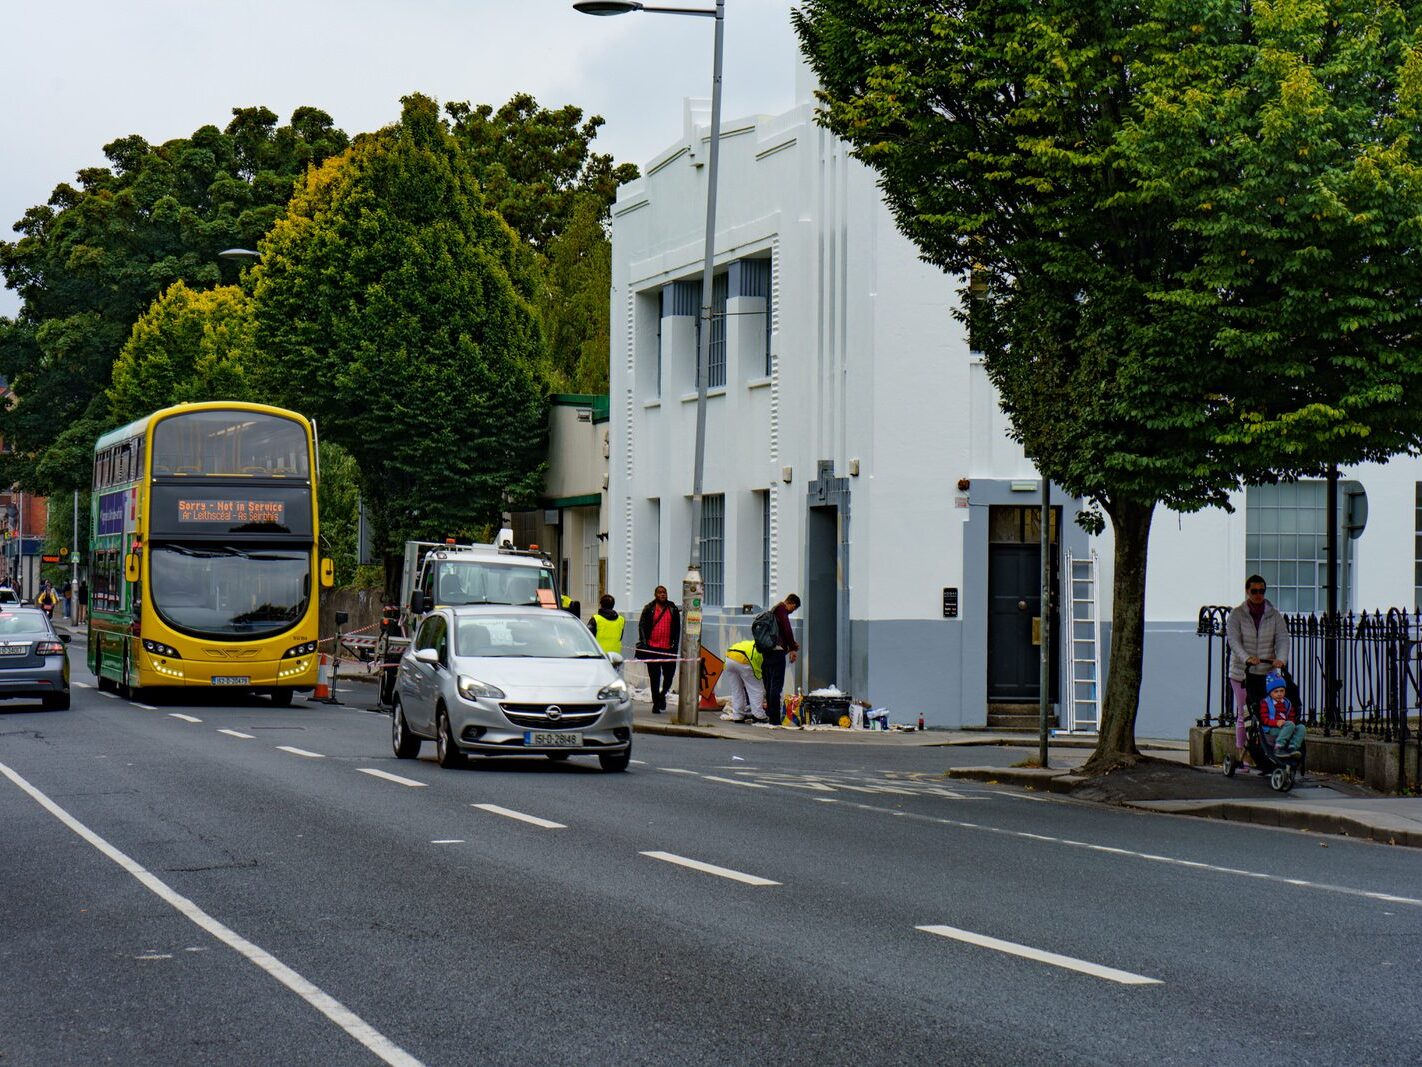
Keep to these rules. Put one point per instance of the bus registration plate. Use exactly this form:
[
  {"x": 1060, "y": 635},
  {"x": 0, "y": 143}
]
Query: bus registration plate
[
  {"x": 561, "y": 739},
  {"x": 231, "y": 679}
]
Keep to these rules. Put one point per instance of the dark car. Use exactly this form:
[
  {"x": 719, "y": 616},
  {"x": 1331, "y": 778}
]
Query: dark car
[{"x": 34, "y": 663}]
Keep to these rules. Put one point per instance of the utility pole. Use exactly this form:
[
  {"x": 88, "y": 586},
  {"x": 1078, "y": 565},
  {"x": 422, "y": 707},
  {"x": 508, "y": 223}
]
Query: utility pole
[{"x": 1045, "y": 628}]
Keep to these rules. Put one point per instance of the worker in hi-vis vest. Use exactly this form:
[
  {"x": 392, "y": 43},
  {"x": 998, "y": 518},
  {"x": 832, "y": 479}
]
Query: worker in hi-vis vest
[
  {"x": 742, "y": 682},
  {"x": 607, "y": 625}
]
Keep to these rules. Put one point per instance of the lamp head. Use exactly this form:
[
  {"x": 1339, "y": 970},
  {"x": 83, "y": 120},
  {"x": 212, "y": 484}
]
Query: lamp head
[
  {"x": 607, "y": 7},
  {"x": 239, "y": 255}
]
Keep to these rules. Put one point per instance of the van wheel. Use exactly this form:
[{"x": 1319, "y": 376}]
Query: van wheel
[
  {"x": 446, "y": 751},
  {"x": 405, "y": 744}
]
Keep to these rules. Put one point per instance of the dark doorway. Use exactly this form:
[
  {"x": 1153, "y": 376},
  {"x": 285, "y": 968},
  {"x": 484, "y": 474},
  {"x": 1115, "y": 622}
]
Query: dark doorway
[
  {"x": 1014, "y": 605},
  {"x": 821, "y": 597}
]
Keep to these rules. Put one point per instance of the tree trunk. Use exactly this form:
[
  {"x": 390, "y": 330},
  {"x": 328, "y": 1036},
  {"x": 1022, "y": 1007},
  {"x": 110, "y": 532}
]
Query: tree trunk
[{"x": 1116, "y": 744}]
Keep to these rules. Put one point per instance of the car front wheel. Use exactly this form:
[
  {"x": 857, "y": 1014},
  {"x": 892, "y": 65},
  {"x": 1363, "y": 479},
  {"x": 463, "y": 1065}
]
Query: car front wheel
[
  {"x": 445, "y": 749},
  {"x": 615, "y": 761},
  {"x": 405, "y": 744}
]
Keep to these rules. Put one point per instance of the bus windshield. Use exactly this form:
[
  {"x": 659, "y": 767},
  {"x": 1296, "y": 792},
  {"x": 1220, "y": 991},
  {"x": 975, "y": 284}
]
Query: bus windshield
[
  {"x": 224, "y": 591},
  {"x": 230, "y": 443}
]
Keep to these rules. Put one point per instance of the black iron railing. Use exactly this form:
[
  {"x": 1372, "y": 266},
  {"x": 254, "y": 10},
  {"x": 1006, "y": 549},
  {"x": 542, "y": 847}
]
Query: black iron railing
[{"x": 1358, "y": 674}]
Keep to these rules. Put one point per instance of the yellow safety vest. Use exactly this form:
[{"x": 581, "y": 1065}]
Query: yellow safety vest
[
  {"x": 609, "y": 632},
  {"x": 747, "y": 653}
]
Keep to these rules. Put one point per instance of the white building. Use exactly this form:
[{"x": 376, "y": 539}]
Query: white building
[{"x": 846, "y": 411}]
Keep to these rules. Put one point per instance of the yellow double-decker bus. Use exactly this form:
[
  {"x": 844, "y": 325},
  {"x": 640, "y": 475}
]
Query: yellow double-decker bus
[{"x": 204, "y": 559}]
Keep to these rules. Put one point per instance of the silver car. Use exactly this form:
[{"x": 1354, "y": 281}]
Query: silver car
[
  {"x": 510, "y": 681},
  {"x": 34, "y": 664}
]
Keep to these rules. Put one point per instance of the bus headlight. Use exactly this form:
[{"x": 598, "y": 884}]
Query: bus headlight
[
  {"x": 158, "y": 648},
  {"x": 473, "y": 689},
  {"x": 299, "y": 650}
]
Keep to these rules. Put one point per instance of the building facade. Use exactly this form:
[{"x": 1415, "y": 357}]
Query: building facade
[{"x": 857, "y": 455}]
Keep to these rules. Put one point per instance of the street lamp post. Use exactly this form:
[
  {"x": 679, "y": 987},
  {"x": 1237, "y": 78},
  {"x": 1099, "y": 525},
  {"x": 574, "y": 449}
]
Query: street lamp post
[{"x": 689, "y": 676}]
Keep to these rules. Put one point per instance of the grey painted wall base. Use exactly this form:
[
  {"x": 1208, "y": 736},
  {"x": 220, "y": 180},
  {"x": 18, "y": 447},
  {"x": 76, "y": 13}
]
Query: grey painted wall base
[{"x": 1172, "y": 678}]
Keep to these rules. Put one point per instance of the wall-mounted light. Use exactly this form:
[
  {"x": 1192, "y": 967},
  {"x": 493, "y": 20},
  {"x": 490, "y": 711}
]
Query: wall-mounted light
[
  {"x": 787, "y": 474},
  {"x": 854, "y": 468}
]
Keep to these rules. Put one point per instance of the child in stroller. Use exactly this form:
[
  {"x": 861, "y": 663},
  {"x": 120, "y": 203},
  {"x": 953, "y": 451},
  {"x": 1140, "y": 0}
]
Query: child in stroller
[{"x": 1273, "y": 736}]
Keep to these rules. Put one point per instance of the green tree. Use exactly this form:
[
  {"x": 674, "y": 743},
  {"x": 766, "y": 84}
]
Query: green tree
[
  {"x": 1200, "y": 223},
  {"x": 91, "y": 260},
  {"x": 189, "y": 345},
  {"x": 536, "y": 167},
  {"x": 387, "y": 306},
  {"x": 338, "y": 498}
]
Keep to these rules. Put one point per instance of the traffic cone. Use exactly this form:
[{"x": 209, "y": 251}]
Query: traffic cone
[{"x": 323, "y": 679}]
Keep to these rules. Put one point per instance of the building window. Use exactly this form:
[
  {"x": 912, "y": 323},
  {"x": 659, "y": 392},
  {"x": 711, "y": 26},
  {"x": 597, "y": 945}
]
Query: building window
[
  {"x": 716, "y": 357},
  {"x": 1285, "y": 535},
  {"x": 768, "y": 318},
  {"x": 765, "y": 547},
  {"x": 713, "y": 549},
  {"x": 1417, "y": 552}
]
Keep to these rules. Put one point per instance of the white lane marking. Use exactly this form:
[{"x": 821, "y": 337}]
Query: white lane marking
[
  {"x": 1021, "y": 796},
  {"x": 83, "y": 685},
  {"x": 710, "y": 868},
  {"x": 238, "y": 733},
  {"x": 391, "y": 777},
  {"x": 145, "y": 707},
  {"x": 1055, "y": 959},
  {"x": 1323, "y": 887},
  {"x": 300, "y": 752},
  {"x": 676, "y": 770},
  {"x": 639, "y": 762},
  {"x": 106, "y": 693},
  {"x": 327, "y": 1005},
  {"x": 180, "y": 715},
  {"x": 732, "y": 781},
  {"x": 448, "y": 841},
  {"x": 509, "y": 813}
]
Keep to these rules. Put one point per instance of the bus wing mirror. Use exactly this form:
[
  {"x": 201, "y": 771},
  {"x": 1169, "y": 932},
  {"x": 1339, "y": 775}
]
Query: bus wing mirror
[
  {"x": 130, "y": 567},
  {"x": 328, "y": 573},
  {"x": 417, "y": 603}
]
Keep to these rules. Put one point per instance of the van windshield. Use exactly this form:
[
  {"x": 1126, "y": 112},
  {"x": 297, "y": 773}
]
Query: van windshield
[{"x": 489, "y": 582}]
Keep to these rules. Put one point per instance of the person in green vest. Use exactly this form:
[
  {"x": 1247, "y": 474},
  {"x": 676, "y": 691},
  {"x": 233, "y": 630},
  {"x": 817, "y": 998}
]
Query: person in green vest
[
  {"x": 741, "y": 680},
  {"x": 607, "y": 625}
]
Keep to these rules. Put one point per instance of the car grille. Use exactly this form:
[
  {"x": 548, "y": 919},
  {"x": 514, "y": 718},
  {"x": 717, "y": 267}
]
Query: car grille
[{"x": 535, "y": 716}]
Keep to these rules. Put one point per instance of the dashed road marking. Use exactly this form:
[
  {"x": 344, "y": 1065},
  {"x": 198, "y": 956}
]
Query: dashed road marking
[
  {"x": 391, "y": 777},
  {"x": 509, "y": 813},
  {"x": 1069, "y": 963},
  {"x": 83, "y": 685},
  {"x": 106, "y": 693},
  {"x": 710, "y": 868},
  {"x": 180, "y": 715},
  {"x": 238, "y": 733},
  {"x": 676, "y": 770},
  {"x": 732, "y": 781},
  {"x": 448, "y": 841},
  {"x": 327, "y": 1005},
  {"x": 300, "y": 752},
  {"x": 145, "y": 707}
]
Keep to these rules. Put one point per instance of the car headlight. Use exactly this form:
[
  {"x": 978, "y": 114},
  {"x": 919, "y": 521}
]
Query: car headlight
[
  {"x": 473, "y": 689},
  {"x": 299, "y": 650},
  {"x": 158, "y": 648},
  {"x": 613, "y": 691}
]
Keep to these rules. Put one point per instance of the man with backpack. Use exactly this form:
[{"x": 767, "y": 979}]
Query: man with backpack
[{"x": 775, "y": 644}]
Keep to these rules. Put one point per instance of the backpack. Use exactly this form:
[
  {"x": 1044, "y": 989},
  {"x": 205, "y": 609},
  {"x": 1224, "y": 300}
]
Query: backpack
[{"x": 765, "y": 629}]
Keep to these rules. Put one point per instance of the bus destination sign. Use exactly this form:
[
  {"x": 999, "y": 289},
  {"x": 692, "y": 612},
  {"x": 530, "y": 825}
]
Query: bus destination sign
[{"x": 233, "y": 512}]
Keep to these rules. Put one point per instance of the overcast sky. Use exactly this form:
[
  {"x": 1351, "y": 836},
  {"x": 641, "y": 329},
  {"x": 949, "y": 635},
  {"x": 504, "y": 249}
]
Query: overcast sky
[{"x": 76, "y": 75}]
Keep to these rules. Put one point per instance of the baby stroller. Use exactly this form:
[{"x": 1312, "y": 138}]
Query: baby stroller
[{"x": 1281, "y": 770}]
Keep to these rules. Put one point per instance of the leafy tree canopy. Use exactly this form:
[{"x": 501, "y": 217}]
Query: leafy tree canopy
[
  {"x": 190, "y": 345},
  {"x": 89, "y": 261},
  {"x": 387, "y": 306},
  {"x": 1201, "y": 224}
]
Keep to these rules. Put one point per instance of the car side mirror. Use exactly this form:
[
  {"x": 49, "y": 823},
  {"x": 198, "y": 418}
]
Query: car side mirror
[
  {"x": 417, "y": 603},
  {"x": 616, "y": 659},
  {"x": 427, "y": 655},
  {"x": 66, "y": 638}
]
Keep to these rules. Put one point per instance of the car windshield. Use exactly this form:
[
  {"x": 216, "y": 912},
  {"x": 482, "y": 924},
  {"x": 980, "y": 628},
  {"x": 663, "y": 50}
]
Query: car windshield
[
  {"x": 22, "y": 622},
  {"x": 490, "y": 582},
  {"x": 555, "y": 635},
  {"x": 224, "y": 591}
]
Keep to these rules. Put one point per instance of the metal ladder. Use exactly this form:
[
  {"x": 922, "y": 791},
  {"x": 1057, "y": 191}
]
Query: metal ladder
[{"x": 1083, "y": 696}]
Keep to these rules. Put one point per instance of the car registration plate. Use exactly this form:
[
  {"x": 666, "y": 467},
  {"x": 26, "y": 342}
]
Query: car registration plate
[
  {"x": 231, "y": 679},
  {"x": 548, "y": 739},
  {"x": 11, "y": 648}
]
